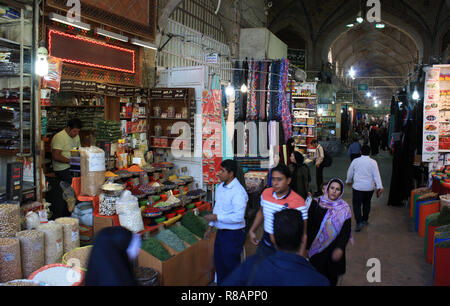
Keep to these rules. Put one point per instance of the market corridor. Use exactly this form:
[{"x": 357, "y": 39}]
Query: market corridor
[{"x": 389, "y": 237}]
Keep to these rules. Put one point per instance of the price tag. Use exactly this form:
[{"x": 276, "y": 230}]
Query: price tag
[
  {"x": 59, "y": 246},
  {"x": 75, "y": 236},
  {"x": 9, "y": 257}
]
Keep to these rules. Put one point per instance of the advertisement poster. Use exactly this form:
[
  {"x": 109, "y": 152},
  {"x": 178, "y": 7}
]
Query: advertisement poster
[
  {"x": 53, "y": 79},
  {"x": 430, "y": 152},
  {"x": 211, "y": 135}
]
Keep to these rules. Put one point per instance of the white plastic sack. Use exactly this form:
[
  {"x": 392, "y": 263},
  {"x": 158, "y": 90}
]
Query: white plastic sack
[
  {"x": 32, "y": 220},
  {"x": 130, "y": 216}
]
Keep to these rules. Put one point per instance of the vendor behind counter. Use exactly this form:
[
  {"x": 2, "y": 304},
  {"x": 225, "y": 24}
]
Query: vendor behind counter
[{"x": 62, "y": 143}]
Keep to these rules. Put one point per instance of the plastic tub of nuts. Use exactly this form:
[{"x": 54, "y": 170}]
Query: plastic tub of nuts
[{"x": 57, "y": 275}]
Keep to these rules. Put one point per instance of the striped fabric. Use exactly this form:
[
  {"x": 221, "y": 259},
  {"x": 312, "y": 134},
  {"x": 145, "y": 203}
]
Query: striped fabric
[{"x": 271, "y": 205}]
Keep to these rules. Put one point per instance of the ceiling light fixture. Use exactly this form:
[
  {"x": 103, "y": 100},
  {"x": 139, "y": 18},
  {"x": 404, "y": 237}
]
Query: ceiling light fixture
[
  {"x": 244, "y": 88},
  {"x": 380, "y": 25},
  {"x": 62, "y": 19},
  {"x": 359, "y": 18},
  {"x": 352, "y": 73},
  {"x": 144, "y": 44},
  {"x": 350, "y": 25},
  {"x": 109, "y": 34},
  {"x": 369, "y": 94}
]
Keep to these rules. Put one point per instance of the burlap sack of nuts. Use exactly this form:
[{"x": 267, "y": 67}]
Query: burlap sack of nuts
[
  {"x": 53, "y": 233},
  {"x": 92, "y": 170},
  {"x": 10, "y": 263},
  {"x": 9, "y": 220},
  {"x": 71, "y": 233},
  {"x": 32, "y": 251}
]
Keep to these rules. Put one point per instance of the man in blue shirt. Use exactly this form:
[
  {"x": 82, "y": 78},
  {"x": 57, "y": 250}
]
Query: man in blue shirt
[
  {"x": 354, "y": 151},
  {"x": 228, "y": 217},
  {"x": 284, "y": 268}
]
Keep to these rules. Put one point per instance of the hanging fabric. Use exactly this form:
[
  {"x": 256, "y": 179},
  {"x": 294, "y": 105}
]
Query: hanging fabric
[
  {"x": 263, "y": 86},
  {"x": 269, "y": 93},
  {"x": 286, "y": 115}
]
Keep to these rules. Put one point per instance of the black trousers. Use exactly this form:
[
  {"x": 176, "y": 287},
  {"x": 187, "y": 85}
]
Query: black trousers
[
  {"x": 319, "y": 177},
  {"x": 361, "y": 198},
  {"x": 65, "y": 176}
]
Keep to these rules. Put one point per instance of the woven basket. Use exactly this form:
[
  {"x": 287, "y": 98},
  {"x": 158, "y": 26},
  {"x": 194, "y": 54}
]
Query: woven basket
[{"x": 74, "y": 254}]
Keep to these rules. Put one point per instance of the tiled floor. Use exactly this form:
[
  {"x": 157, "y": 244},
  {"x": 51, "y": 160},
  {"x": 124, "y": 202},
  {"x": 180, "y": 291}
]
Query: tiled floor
[{"x": 389, "y": 237}]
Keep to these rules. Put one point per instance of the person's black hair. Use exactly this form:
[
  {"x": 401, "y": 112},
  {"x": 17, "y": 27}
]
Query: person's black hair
[
  {"x": 230, "y": 165},
  {"x": 75, "y": 123},
  {"x": 109, "y": 264},
  {"x": 336, "y": 181},
  {"x": 283, "y": 169},
  {"x": 299, "y": 159},
  {"x": 314, "y": 141},
  {"x": 288, "y": 229},
  {"x": 365, "y": 150}
]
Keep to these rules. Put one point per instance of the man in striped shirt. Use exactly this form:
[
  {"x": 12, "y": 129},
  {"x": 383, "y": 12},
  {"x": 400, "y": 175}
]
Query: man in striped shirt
[{"x": 273, "y": 200}]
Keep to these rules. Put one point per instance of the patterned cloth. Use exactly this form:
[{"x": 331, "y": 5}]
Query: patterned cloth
[
  {"x": 286, "y": 114},
  {"x": 337, "y": 213}
]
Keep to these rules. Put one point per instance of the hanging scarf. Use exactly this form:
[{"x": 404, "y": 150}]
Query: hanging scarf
[
  {"x": 286, "y": 114},
  {"x": 262, "y": 106},
  {"x": 338, "y": 212},
  {"x": 269, "y": 94}
]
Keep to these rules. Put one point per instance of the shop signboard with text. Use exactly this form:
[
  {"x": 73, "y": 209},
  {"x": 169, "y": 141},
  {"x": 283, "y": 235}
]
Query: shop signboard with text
[{"x": 430, "y": 152}]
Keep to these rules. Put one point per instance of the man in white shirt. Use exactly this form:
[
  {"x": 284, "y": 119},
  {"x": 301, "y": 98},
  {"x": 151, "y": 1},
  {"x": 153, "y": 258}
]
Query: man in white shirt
[
  {"x": 228, "y": 218},
  {"x": 366, "y": 177}
]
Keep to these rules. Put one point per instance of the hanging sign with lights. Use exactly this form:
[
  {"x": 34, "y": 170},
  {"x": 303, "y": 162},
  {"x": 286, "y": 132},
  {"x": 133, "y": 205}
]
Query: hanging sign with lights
[{"x": 82, "y": 51}]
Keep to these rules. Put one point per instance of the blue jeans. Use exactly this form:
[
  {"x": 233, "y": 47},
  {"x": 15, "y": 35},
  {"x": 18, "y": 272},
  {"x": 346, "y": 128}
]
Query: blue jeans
[{"x": 227, "y": 252}]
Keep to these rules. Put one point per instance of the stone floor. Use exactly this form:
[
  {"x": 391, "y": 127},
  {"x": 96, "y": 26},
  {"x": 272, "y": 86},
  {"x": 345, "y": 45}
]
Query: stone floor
[{"x": 389, "y": 237}]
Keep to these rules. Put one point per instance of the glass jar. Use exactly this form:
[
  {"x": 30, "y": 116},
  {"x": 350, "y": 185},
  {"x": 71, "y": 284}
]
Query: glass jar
[
  {"x": 171, "y": 112},
  {"x": 184, "y": 113},
  {"x": 156, "y": 111},
  {"x": 158, "y": 130},
  {"x": 169, "y": 131}
]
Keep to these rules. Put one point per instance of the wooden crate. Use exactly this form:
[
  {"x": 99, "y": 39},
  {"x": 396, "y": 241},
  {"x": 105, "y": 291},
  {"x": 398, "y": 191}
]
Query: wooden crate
[{"x": 193, "y": 266}]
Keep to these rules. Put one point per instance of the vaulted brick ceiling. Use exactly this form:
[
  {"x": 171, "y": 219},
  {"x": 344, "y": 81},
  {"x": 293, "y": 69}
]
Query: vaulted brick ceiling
[{"x": 415, "y": 30}]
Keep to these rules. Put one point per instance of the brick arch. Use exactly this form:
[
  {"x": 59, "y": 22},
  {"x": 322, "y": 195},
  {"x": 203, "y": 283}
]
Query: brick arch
[{"x": 336, "y": 29}]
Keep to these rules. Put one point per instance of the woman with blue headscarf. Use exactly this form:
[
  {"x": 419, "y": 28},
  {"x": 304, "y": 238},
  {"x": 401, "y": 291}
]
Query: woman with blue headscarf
[{"x": 329, "y": 230}]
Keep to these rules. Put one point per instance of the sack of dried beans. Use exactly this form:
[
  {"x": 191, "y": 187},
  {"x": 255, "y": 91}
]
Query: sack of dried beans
[
  {"x": 71, "y": 233},
  {"x": 32, "y": 251},
  {"x": 92, "y": 170},
  {"x": 54, "y": 246},
  {"x": 10, "y": 263},
  {"x": 9, "y": 220}
]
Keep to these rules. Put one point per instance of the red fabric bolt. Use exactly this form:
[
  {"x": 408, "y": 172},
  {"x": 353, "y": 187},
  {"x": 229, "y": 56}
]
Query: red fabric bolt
[
  {"x": 430, "y": 246},
  {"x": 442, "y": 266}
]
